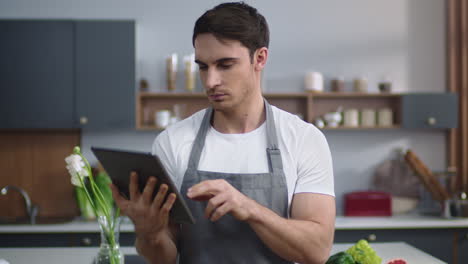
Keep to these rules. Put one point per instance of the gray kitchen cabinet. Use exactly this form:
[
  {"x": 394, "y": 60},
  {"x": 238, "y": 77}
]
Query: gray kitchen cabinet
[
  {"x": 462, "y": 245},
  {"x": 429, "y": 110},
  {"x": 67, "y": 74},
  {"x": 437, "y": 242},
  {"x": 105, "y": 74},
  {"x": 36, "y": 74}
]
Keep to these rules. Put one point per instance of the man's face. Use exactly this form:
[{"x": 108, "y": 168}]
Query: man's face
[{"x": 226, "y": 71}]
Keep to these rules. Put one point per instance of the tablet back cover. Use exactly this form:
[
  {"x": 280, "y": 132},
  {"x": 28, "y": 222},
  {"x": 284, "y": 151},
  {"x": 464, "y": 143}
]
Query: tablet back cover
[{"x": 119, "y": 164}]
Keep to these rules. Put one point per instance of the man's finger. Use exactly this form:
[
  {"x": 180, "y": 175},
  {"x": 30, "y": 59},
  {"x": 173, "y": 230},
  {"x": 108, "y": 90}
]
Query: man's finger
[
  {"x": 119, "y": 199},
  {"x": 213, "y": 203},
  {"x": 134, "y": 192},
  {"x": 203, "y": 190},
  {"x": 220, "y": 212},
  {"x": 159, "y": 198},
  {"x": 149, "y": 189},
  {"x": 168, "y": 205},
  {"x": 203, "y": 197}
]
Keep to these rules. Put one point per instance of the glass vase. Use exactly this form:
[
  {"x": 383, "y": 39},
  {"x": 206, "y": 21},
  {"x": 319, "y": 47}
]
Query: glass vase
[{"x": 109, "y": 250}]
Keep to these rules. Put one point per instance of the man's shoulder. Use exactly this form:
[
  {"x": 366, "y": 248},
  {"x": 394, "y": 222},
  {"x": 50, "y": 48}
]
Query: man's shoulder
[
  {"x": 292, "y": 123},
  {"x": 187, "y": 127},
  {"x": 190, "y": 122}
]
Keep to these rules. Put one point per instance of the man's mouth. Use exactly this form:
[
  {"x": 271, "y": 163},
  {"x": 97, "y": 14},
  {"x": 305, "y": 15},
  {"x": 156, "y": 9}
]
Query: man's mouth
[{"x": 217, "y": 96}]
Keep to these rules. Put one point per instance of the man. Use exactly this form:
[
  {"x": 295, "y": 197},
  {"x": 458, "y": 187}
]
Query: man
[{"x": 251, "y": 205}]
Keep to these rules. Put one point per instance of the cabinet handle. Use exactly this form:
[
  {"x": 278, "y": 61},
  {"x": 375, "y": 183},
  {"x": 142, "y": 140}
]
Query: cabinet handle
[
  {"x": 86, "y": 241},
  {"x": 431, "y": 121},
  {"x": 83, "y": 120},
  {"x": 371, "y": 237}
]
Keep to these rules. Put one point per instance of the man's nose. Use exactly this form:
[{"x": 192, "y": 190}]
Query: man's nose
[{"x": 213, "y": 79}]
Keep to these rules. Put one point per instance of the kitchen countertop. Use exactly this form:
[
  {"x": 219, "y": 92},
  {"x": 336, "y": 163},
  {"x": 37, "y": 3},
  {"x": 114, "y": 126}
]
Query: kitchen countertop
[
  {"x": 75, "y": 226},
  {"x": 411, "y": 221},
  {"x": 342, "y": 223},
  {"x": 393, "y": 250},
  {"x": 56, "y": 255},
  {"x": 79, "y": 255}
]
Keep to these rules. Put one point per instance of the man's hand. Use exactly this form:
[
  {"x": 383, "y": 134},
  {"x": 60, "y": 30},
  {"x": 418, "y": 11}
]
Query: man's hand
[
  {"x": 150, "y": 217},
  {"x": 222, "y": 198}
]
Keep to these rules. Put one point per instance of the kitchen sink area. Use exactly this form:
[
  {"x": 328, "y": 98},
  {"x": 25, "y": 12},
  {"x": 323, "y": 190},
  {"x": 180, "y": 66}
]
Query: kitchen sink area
[
  {"x": 58, "y": 225},
  {"x": 38, "y": 221}
]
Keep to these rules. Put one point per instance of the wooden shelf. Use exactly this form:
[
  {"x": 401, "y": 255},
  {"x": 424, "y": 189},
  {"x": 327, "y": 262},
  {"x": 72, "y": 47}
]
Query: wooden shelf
[
  {"x": 362, "y": 128},
  {"x": 353, "y": 95},
  {"x": 277, "y": 95},
  {"x": 202, "y": 95},
  {"x": 286, "y": 95},
  {"x": 171, "y": 95},
  {"x": 308, "y": 105},
  {"x": 150, "y": 128}
]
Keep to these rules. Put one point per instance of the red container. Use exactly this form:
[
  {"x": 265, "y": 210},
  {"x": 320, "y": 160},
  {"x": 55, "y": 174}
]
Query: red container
[{"x": 368, "y": 203}]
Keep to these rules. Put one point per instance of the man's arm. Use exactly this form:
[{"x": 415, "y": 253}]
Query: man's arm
[
  {"x": 160, "y": 249},
  {"x": 305, "y": 238}
]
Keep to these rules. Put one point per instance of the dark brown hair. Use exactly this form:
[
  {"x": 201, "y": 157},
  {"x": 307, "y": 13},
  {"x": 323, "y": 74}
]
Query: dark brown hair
[{"x": 235, "y": 21}]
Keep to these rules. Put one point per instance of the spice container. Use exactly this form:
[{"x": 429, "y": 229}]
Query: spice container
[
  {"x": 368, "y": 117},
  {"x": 144, "y": 86},
  {"x": 351, "y": 118},
  {"x": 314, "y": 81},
  {"x": 385, "y": 86},
  {"x": 190, "y": 70},
  {"x": 171, "y": 71},
  {"x": 162, "y": 118},
  {"x": 360, "y": 85},
  {"x": 385, "y": 117},
  {"x": 337, "y": 84}
]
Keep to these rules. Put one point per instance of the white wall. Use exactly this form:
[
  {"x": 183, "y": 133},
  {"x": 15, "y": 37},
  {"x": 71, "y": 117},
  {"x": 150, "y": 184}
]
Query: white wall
[{"x": 402, "y": 39}]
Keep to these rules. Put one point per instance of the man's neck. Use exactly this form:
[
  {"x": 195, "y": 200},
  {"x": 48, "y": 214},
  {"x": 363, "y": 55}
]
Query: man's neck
[{"x": 244, "y": 119}]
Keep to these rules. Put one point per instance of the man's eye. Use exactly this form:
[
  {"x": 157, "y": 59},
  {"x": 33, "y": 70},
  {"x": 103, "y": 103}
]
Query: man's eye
[
  {"x": 225, "y": 66},
  {"x": 202, "y": 68}
]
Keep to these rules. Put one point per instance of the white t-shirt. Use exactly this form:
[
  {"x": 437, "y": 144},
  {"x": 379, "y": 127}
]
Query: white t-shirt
[{"x": 306, "y": 156}]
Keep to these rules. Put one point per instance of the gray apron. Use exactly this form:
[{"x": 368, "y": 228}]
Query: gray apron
[{"x": 229, "y": 240}]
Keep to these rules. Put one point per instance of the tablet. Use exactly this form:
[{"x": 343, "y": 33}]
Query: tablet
[{"x": 119, "y": 164}]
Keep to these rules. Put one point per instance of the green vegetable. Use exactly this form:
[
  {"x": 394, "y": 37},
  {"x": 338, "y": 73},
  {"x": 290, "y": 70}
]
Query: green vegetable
[
  {"x": 341, "y": 258},
  {"x": 102, "y": 181},
  {"x": 363, "y": 253},
  {"x": 86, "y": 209}
]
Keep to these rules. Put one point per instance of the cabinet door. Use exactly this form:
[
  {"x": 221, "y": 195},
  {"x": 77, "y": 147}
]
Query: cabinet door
[
  {"x": 462, "y": 243},
  {"x": 36, "y": 74},
  {"x": 430, "y": 110},
  {"x": 105, "y": 74}
]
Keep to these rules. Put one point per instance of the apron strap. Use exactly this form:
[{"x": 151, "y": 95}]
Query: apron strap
[
  {"x": 199, "y": 141},
  {"x": 274, "y": 154},
  {"x": 272, "y": 140}
]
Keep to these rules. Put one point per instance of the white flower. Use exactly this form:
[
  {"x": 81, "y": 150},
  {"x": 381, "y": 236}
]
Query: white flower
[{"x": 77, "y": 169}]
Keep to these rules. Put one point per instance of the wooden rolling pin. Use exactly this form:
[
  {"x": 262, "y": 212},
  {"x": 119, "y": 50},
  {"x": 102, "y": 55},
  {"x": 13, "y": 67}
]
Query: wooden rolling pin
[{"x": 427, "y": 178}]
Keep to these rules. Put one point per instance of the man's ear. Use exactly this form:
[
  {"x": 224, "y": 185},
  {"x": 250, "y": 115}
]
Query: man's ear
[{"x": 260, "y": 58}]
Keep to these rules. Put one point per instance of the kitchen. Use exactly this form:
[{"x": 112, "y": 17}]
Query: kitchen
[{"x": 401, "y": 40}]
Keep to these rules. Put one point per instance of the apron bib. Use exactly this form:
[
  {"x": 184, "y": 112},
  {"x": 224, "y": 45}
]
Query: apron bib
[{"x": 229, "y": 240}]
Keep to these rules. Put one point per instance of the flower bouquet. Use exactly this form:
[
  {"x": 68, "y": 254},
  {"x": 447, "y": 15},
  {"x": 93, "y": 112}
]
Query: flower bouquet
[{"x": 101, "y": 203}]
